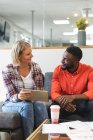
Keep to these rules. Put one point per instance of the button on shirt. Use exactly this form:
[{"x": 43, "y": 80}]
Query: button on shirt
[{"x": 65, "y": 83}]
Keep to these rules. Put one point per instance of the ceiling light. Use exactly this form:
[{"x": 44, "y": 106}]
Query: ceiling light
[
  {"x": 61, "y": 21},
  {"x": 68, "y": 18},
  {"x": 76, "y": 15}
]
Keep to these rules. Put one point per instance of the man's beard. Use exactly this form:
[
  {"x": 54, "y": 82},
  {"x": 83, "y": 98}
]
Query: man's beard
[{"x": 64, "y": 67}]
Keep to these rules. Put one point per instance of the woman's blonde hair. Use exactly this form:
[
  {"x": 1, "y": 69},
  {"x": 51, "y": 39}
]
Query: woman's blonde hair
[{"x": 17, "y": 50}]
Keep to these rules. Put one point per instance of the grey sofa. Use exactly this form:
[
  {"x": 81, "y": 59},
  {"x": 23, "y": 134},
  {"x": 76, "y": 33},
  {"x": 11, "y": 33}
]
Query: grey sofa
[{"x": 11, "y": 122}]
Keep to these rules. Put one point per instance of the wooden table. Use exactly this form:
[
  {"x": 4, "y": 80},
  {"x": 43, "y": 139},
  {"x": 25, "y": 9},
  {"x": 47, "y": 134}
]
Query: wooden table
[{"x": 37, "y": 134}]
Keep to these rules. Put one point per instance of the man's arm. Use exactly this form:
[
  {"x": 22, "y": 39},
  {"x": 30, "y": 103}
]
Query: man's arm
[
  {"x": 55, "y": 85},
  {"x": 89, "y": 92}
]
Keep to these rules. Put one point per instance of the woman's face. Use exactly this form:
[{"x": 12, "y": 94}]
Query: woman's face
[{"x": 26, "y": 56}]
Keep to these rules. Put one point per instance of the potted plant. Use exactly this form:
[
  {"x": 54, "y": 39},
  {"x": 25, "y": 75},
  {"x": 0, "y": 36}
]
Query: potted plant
[{"x": 81, "y": 25}]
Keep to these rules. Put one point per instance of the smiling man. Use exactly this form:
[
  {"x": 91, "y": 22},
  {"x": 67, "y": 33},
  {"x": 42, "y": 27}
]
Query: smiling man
[{"x": 72, "y": 86}]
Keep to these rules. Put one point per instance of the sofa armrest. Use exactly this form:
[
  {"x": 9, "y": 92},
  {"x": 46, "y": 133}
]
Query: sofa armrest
[{"x": 9, "y": 120}]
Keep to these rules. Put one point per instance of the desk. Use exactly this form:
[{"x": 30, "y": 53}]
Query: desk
[{"x": 37, "y": 134}]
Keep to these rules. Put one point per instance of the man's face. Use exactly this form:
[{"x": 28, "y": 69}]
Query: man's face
[{"x": 68, "y": 61}]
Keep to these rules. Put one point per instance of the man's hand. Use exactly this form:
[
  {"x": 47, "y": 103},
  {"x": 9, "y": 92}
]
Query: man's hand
[
  {"x": 65, "y": 102},
  {"x": 65, "y": 99},
  {"x": 70, "y": 107}
]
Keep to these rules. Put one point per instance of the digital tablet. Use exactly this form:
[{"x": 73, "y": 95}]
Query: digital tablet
[{"x": 37, "y": 95}]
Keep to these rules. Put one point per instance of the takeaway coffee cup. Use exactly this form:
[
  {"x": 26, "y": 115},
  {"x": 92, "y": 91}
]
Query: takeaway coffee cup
[{"x": 55, "y": 110}]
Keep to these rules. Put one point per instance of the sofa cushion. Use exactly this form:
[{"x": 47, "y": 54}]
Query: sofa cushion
[
  {"x": 47, "y": 82},
  {"x": 9, "y": 120}
]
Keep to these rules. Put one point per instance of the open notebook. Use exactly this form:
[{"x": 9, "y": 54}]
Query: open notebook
[{"x": 37, "y": 95}]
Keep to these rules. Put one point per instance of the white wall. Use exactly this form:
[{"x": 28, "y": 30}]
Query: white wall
[{"x": 48, "y": 59}]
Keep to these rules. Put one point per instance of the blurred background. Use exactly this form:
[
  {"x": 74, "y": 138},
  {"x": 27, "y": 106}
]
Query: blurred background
[{"x": 44, "y": 23}]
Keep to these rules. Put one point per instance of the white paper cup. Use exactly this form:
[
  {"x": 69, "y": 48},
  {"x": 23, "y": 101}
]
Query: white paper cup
[{"x": 55, "y": 110}]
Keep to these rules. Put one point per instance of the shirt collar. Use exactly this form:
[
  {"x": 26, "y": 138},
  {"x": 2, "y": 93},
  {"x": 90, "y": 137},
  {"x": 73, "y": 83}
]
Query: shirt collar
[{"x": 77, "y": 71}]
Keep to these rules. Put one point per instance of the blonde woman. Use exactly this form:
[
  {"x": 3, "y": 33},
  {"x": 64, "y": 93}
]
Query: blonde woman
[{"x": 23, "y": 73}]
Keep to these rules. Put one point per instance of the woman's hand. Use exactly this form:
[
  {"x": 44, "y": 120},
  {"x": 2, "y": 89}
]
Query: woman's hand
[{"x": 24, "y": 95}]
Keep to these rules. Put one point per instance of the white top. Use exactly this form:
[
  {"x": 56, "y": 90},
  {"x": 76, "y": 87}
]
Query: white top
[{"x": 28, "y": 81}]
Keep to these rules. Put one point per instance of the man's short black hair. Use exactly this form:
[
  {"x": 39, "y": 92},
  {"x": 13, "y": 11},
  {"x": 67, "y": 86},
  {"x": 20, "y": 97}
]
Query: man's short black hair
[{"x": 76, "y": 51}]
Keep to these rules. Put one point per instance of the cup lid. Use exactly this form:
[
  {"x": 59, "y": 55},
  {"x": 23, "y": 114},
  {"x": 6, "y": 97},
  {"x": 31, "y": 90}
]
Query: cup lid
[{"x": 55, "y": 106}]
